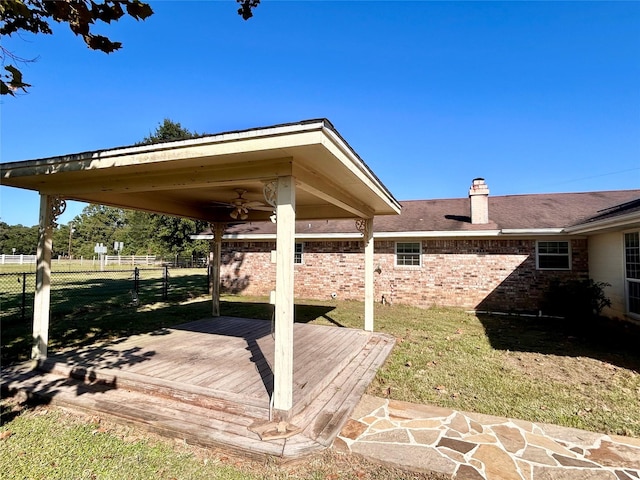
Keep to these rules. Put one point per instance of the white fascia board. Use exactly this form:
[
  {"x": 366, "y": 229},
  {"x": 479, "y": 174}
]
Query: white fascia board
[
  {"x": 157, "y": 148},
  {"x": 435, "y": 234},
  {"x": 367, "y": 175},
  {"x": 299, "y": 236},
  {"x": 358, "y": 236},
  {"x": 533, "y": 231},
  {"x": 621, "y": 222},
  {"x": 391, "y": 235}
]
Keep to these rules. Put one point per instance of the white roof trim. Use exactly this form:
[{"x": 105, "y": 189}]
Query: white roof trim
[
  {"x": 436, "y": 234},
  {"x": 532, "y": 231},
  {"x": 217, "y": 138},
  {"x": 272, "y": 236},
  {"x": 391, "y": 235},
  {"x": 621, "y": 221}
]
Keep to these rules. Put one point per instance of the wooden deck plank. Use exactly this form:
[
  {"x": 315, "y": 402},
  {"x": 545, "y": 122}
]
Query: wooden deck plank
[
  {"x": 334, "y": 360},
  {"x": 341, "y": 404},
  {"x": 203, "y": 426},
  {"x": 207, "y": 381}
]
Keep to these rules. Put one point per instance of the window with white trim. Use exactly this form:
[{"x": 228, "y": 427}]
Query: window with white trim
[
  {"x": 408, "y": 254},
  {"x": 632, "y": 271},
  {"x": 553, "y": 255},
  {"x": 297, "y": 254}
]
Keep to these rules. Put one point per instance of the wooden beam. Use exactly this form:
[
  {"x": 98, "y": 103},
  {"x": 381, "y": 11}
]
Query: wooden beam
[
  {"x": 215, "y": 262},
  {"x": 284, "y": 308},
  {"x": 42, "y": 297},
  {"x": 327, "y": 190},
  {"x": 368, "y": 274}
]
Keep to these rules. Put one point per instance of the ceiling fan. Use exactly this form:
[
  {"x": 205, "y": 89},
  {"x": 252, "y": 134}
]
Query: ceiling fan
[{"x": 240, "y": 206}]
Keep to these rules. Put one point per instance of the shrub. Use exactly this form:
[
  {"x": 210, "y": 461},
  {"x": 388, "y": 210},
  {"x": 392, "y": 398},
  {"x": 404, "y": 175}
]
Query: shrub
[{"x": 576, "y": 299}]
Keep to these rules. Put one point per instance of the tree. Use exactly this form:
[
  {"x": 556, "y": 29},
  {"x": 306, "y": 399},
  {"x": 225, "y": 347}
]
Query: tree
[
  {"x": 97, "y": 224},
  {"x": 168, "y": 131},
  {"x": 23, "y": 239},
  {"x": 142, "y": 233},
  {"x": 169, "y": 235},
  {"x": 35, "y": 16}
]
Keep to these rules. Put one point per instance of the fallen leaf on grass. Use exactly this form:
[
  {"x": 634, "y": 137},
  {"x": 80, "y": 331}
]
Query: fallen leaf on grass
[
  {"x": 408, "y": 364},
  {"x": 441, "y": 389},
  {"x": 6, "y": 434}
]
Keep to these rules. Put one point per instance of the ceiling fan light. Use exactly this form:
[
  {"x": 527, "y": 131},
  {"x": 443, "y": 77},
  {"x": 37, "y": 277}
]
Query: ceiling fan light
[
  {"x": 244, "y": 216},
  {"x": 234, "y": 214}
]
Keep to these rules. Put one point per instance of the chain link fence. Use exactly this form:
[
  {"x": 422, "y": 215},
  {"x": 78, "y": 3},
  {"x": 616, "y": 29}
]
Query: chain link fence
[
  {"x": 88, "y": 304},
  {"x": 84, "y": 291}
]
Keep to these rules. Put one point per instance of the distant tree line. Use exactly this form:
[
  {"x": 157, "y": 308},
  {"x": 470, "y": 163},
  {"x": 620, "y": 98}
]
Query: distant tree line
[{"x": 141, "y": 233}]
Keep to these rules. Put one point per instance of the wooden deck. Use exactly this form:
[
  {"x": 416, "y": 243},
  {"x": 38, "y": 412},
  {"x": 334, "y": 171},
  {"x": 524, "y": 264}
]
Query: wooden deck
[{"x": 210, "y": 382}]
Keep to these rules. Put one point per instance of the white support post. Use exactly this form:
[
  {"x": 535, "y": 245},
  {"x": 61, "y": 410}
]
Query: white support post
[
  {"x": 284, "y": 304},
  {"x": 368, "y": 274},
  {"x": 50, "y": 209},
  {"x": 215, "y": 260}
]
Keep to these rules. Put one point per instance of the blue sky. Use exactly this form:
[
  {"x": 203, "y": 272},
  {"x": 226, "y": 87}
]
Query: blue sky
[{"x": 533, "y": 96}]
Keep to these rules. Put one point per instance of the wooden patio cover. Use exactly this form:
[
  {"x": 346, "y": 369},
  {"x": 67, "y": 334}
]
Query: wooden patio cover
[{"x": 304, "y": 170}]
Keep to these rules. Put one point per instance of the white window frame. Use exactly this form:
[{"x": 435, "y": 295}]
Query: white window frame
[
  {"x": 628, "y": 280},
  {"x": 567, "y": 255},
  {"x": 298, "y": 254},
  {"x": 418, "y": 253}
]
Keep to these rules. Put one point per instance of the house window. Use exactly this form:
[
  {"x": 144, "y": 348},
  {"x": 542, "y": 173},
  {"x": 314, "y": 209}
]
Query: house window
[
  {"x": 408, "y": 254},
  {"x": 553, "y": 256},
  {"x": 297, "y": 254},
  {"x": 632, "y": 269}
]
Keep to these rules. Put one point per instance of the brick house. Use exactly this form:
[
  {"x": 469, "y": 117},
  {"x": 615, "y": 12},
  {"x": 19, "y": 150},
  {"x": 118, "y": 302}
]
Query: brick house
[{"x": 482, "y": 252}]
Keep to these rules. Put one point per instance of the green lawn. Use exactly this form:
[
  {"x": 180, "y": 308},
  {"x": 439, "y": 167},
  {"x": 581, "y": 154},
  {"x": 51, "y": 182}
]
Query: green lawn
[
  {"x": 544, "y": 370},
  {"x": 53, "y": 444}
]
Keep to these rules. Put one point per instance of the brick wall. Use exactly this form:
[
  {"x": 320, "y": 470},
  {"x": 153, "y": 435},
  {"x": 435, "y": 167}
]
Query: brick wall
[{"x": 481, "y": 274}]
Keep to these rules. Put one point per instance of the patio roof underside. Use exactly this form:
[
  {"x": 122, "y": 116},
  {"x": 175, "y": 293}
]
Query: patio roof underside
[{"x": 197, "y": 178}]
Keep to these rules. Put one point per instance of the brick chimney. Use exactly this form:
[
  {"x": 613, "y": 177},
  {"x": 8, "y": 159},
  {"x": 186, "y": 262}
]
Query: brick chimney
[{"x": 479, "y": 197}]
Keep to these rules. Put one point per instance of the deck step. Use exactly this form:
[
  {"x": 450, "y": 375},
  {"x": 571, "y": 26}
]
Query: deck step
[
  {"x": 183, "y": 392},
  {"x": 207, "y": 382},
  {"x": 171, "y": 418}
]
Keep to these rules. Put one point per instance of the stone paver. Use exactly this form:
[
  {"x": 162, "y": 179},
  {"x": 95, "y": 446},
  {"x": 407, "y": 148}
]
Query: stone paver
[{"x": 470, "y": 446}]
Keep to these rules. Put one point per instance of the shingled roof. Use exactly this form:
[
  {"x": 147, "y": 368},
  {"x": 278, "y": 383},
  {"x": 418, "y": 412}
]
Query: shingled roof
[{"x": 510, "y": 212}]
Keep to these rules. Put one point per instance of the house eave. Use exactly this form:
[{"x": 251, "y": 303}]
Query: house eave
[
  {"x": 533, "y": 231},
  {"x": 514, "y": 232},
  {"x": 620, "y": 222}
]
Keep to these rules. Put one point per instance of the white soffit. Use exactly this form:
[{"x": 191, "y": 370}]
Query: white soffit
[{"x": 185, "y": 178}]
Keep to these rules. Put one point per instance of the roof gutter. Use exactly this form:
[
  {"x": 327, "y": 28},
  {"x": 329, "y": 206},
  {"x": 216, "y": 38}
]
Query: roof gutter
[
  {"x": 257, "y": 237},
  {"x": 532, "y": 231},
  {"x": 620, "y": 221}
]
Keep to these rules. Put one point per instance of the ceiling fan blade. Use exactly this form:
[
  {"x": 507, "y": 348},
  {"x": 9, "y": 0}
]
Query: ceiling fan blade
[{"x": 253, "y": 205}]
